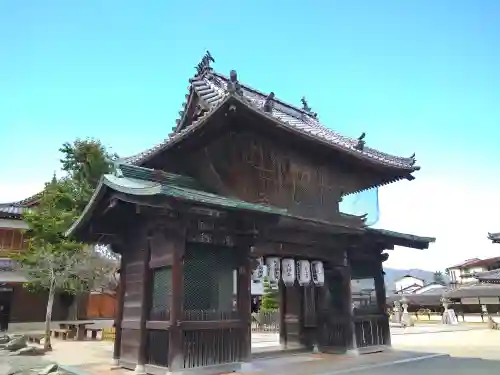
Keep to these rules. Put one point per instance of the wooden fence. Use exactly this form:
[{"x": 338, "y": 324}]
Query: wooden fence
[
  {"x": 266, "y": 321},
  {"x": 108, "y": 334}
]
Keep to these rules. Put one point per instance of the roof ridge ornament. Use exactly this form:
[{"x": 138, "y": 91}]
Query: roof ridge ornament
[
  {"x": 233, "y": 86},
  {"x": 360, "y": 144},
  {"x": 269, "y": 103},
  {"x": 413, "y": 160},
  {"x": 306, "y": 108},
  {"x": 204, "y": 64}
]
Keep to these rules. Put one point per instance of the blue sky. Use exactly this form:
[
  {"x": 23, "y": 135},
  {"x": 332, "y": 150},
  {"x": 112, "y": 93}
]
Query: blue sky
[{"x": 418, "y": 76}]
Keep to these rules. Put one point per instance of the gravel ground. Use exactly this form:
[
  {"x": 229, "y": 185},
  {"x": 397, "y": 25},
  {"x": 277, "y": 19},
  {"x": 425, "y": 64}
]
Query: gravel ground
[{"x": 20, "y": 364}]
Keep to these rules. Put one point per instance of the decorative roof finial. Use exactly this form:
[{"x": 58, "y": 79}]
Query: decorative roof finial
[
  {"x": 360, "y": 145},
  {"x": 269, "y": 103},
  {"x": 413, "y": 160},
  {"x": 305, "y": 106},
  {"x": 233, "y": 86},
  {"x": 204, "y": 63}
]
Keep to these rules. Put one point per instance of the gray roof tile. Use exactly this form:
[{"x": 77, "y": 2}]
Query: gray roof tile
[{"x": 212, "y": 89}]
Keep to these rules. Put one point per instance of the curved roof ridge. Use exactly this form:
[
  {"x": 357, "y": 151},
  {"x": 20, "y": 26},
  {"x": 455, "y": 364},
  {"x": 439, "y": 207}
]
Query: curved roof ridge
[
  {"x": 303, "y": 115},
  {"x": 211, "y": 89}
]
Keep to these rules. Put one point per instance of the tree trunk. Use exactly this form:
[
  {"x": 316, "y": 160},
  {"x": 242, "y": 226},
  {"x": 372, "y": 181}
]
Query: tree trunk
[{"x": 48, "y": 317}]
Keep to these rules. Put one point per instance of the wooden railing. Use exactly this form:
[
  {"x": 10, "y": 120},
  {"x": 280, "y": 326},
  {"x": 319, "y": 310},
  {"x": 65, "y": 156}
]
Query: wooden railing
[
  {"x": 209, "y": 315},
  {"x": 157, "y": 347},
  {"x": 371, "y": 330},
  {"x": 212, "y": 347},
  {"x": 334, "y": 335}
]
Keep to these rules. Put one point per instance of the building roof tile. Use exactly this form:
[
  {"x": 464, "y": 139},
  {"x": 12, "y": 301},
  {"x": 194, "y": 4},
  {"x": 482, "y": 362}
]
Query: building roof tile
[{"x": 212, "y": 89}]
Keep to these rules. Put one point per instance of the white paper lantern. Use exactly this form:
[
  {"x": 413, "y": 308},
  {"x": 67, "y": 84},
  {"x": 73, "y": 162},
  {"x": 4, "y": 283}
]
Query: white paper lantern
[
  {"x": 288, "y": 271},
  {"x": 260, "y": 271},
  {"x": 304, "y": 272},
  {"x": 273, "y": 265},
  {"x": 318, "y": 273}
]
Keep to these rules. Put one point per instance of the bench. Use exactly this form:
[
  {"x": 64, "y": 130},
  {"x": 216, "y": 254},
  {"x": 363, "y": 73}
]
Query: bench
[
  {"x": 62, "y": 332},
  {"x": 35, "y": 337},
  {"x": 93, "y": 332}
]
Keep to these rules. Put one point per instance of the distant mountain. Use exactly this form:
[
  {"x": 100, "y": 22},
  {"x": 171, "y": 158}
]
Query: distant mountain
[{"x": 392, "y": 274}]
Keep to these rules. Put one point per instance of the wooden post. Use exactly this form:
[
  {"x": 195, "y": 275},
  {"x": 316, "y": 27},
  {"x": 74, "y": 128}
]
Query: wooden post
[
  {"x": 145, "y": 304},
  {"x": 350, "y": 333},
  {"x": 244, "y": 297},
  {"x": 175, "y": 354},
  {"x": 381, "y": 301},
  {"x": 119, "y": 313},
  {"x": 282, "y": 302}
]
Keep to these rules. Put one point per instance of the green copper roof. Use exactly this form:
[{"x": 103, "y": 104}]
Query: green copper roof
[
  {"x": 145, "y": 181},
  {"x": 140, "y": 181}
]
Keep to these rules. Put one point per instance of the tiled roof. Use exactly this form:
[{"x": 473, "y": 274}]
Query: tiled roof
[
  {"x": 474, "y": 290},
  {"x": 476, "y": 262},
  {"x": 16, "y": 209},
  {"x": 494, "y": 237},
  {"x": 12, "y": 210},
  {"x": 488, "y": 275},
  {"x": 212, "y": 89}
]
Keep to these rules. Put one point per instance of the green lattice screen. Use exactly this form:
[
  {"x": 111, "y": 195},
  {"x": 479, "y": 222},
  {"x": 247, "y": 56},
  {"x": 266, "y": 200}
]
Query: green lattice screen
[
  {"x": 161, "y": 294},
  {"x": 209, "y": 282}
]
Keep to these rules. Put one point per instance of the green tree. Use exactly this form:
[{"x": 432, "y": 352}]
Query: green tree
[
  {"x": 52, "y": 261},
  {"x": 84, "y": 162},
  {"x": 438, "y": 277},
  {"x": 270, "y": 300}
]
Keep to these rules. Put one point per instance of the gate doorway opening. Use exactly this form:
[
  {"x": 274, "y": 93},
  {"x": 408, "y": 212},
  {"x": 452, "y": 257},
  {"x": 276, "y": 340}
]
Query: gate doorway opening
[{"x": 266, "y": 318}]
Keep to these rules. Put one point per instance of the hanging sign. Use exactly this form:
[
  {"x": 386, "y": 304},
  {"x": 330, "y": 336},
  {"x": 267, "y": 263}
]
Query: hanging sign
[
  {"x": 303, "y": 272},
  {"x": 288, "y": 271},
  {"x": 273, "y": 265},
  {"x": 318, "y": 274},
  {"x": 259, "y": 272}
]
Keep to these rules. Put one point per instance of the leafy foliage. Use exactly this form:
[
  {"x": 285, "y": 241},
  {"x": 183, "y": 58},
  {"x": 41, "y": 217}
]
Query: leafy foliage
[
  {"x": 270, "y": 300},
  {"x": 84, "y": 162},
  {"x": 52, "y": 261},
  {"x": 438, "y": 277}
]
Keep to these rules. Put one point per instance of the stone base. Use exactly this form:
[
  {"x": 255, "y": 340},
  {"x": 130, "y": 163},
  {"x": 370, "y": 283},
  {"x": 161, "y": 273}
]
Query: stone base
[{"x": 140, "y": 369}]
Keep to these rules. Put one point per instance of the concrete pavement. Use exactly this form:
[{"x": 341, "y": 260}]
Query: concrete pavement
[{"x": 432, "y": 366}]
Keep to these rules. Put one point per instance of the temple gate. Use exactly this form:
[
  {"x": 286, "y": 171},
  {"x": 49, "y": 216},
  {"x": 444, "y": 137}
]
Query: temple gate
[{"x": 244, "y": 180}]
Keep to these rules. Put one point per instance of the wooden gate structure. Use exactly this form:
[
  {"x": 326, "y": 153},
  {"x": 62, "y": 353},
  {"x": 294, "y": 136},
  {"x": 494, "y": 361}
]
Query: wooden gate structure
[{"x": 243, "y": 175}]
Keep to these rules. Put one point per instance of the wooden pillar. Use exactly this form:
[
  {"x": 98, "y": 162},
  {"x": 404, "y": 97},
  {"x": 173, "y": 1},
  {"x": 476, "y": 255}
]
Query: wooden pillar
[
  {"x": 244, "y": 297},
  {"x": 381, "y": 301},
  {"x": 350, "y": 334},
  {"x": 293, "y": 316},
  {"x": 282, "y": 302},
  {"x": 119, "y": 313},
  {"x": 175, "y": 354},
  {"x": 145, "y": 303}
]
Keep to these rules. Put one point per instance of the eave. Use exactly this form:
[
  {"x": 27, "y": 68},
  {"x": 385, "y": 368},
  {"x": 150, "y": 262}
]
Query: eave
[{"x": 401, "y": 239}]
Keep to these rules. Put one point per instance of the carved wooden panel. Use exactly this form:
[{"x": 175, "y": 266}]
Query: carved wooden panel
[{"x": 257, "y": 169}]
